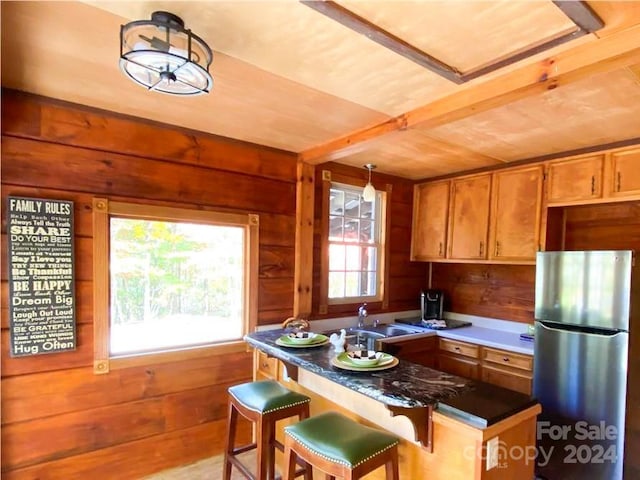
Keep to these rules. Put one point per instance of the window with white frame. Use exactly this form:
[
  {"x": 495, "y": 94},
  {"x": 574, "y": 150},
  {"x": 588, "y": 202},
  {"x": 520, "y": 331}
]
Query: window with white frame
[
  {"x": 174, "y": 279},
  {"x": 355, "y": 245}
]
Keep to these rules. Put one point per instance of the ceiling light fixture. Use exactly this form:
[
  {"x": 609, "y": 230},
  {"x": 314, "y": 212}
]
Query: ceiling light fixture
[
  {"x": 163, "y": 56},
  {"x": 369, "y": 193}
]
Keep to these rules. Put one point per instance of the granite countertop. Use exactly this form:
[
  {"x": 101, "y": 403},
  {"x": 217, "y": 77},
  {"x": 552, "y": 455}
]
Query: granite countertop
[{"x": 406, "y": 385}]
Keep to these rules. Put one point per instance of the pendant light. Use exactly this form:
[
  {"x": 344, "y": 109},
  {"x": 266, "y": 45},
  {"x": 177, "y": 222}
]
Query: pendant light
[
  {"x": 163, "y": 56},
  {"x": 369, "y": 193}
]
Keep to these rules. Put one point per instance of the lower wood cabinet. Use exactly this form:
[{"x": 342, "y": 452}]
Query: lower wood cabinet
[
  {"x": 420, "y": 350},
  {"x": 498, "y": 367},
  {"x": 513, "y": 380},
  {"x": 459, "y": 358},
  {"x": 265, "y": 367},
  {"x": 461, "y": 366},
  {"x": 507, "y": 369}
]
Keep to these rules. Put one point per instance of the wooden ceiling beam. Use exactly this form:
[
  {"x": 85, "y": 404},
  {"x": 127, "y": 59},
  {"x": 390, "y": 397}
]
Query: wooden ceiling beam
[
  {"x": 373, "y": 32},
  {"x": 619, "y": 50},
  {"x": 581, "y": 14}
]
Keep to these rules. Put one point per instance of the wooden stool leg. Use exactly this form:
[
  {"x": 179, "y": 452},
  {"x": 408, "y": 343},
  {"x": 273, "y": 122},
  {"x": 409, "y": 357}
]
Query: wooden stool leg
[
  {"x": 264, "y": 448},
  {"x": 304, "y": 414},
  {"x": 232, "y": 418},
  {"x": 391, "y": 467},
  {"x": 290, "y": 463},
  {"x": 270, "y": 432}
]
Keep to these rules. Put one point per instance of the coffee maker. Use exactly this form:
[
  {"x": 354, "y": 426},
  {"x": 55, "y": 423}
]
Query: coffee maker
[{"x": 431, "y": 304}]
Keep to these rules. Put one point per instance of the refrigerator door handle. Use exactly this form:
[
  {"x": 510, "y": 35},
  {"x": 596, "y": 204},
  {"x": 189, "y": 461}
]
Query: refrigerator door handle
[{"x": 553, "y": 327}]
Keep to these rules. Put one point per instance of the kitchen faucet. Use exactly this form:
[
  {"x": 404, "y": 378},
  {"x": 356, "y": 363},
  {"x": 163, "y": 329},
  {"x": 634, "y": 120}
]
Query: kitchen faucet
[{"x": 362, "y": 314}]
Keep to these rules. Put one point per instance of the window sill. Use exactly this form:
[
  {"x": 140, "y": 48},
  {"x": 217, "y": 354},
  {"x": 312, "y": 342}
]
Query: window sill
[{"x": 118, "y": 363}]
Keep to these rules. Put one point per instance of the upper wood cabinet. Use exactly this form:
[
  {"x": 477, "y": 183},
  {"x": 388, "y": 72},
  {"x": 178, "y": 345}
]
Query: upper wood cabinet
[
  {"x": 469, "y": 217},
  {"x": 575, "y": 179},
  {"x": 516, "y": 197},
  {"x": 430, "y": 218},
  {"x": 625, "y": 168},
  {"x": 498, "y": 217}
]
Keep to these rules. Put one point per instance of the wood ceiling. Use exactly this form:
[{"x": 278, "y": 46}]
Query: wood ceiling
[{"x": 289, "y": 77}]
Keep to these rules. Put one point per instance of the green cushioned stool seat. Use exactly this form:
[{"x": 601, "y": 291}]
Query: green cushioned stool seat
[
  {"x": 266, "y": 396},
  {"x": 340, "y": 447},
  {"x": 340, "y": 439}
]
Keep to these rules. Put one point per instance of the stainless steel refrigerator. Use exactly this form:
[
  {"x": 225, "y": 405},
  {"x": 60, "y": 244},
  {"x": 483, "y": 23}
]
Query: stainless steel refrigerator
[{"x": 583, "y": 312}]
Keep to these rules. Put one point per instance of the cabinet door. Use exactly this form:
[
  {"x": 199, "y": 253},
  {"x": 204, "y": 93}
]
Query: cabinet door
[
  {"x": 469, "y": 219},
  {"x": 626, "y": 173},
  {"x": 578, "y": 179},
  {"x": 511, "y": 379},
  {"x": 430, "y": 209},
  {"x": 420, "y": 350},
  {"x": 515, "y": 214},
  {"x": 458, "y": 365}
]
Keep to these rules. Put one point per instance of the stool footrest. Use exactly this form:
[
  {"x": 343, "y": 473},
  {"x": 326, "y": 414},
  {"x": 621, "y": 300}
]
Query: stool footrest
[
  {"x": 241, "y": 468},
  {"x": 244, "y": 448}
]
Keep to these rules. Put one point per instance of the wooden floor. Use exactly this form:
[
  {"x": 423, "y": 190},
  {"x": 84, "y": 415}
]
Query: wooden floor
[{"x": 207, "y": 469}]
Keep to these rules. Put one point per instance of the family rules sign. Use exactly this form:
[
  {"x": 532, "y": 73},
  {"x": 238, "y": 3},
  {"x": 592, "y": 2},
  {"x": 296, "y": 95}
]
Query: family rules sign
[{"x": 41, "y": 276}]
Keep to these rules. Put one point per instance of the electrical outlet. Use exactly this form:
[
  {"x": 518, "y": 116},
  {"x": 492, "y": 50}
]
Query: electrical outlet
[{"x": 493, "y": 446}]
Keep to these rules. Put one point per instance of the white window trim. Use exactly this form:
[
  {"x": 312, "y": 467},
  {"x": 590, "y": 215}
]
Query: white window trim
[{"x": 102, "y": 210}]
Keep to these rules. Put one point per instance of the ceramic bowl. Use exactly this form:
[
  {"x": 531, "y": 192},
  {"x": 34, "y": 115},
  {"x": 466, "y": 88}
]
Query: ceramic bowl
[
  {"x": 301, "y": 338},
  {"x": 365, "y": 358}
]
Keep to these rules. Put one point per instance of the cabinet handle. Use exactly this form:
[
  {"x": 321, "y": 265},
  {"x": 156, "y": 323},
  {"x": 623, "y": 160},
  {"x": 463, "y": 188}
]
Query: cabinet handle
[
  {"x": 505, "y": 359},
  {"x": 619, "y": 180},
  {"x": 457, "y": 349},
  {"x": 593, "y": 184},
  {"x": 481, "y": 248},
  {"x": 497, "y": 248},
  {"x": 440, "y": 249}
]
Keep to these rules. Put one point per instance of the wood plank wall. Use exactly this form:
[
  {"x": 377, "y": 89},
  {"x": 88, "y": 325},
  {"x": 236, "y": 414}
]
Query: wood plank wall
[
  {"x": 406, "y": 278},
  {"x": 495, "y": 291},
  {"x": 59, "y": 420}
]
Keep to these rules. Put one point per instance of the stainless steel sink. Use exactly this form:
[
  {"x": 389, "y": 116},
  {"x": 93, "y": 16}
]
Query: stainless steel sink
[
  {"x": 366, "y": 337},
  {"x": 387, "y": 330}
]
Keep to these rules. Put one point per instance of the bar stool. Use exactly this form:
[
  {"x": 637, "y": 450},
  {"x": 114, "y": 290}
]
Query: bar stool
[
  {"x": 340, "y": 447},
  {"x": 263, "y": 403}
]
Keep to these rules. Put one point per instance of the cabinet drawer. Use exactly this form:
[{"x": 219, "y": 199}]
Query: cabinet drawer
[
  {"x": 266, "y": 366},
  {"x": 510, "y": 359},
  {"x": 513, "y": 380},
  {"x": 459, "y": 348}
]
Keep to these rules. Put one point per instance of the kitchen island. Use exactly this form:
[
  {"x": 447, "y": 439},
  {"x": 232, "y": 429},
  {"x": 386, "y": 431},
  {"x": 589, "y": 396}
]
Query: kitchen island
[{"x": 444, "y": 421}]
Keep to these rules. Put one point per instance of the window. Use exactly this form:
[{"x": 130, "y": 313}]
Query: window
[
  {"x": 355, "y": 245},
  {"x": 170, "y": 280}
]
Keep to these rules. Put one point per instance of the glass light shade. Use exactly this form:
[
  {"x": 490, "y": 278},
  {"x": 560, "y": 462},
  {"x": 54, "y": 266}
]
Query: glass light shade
[
  {"x": 163, "y": 56},
  {"x": 369, "y": 193}
]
